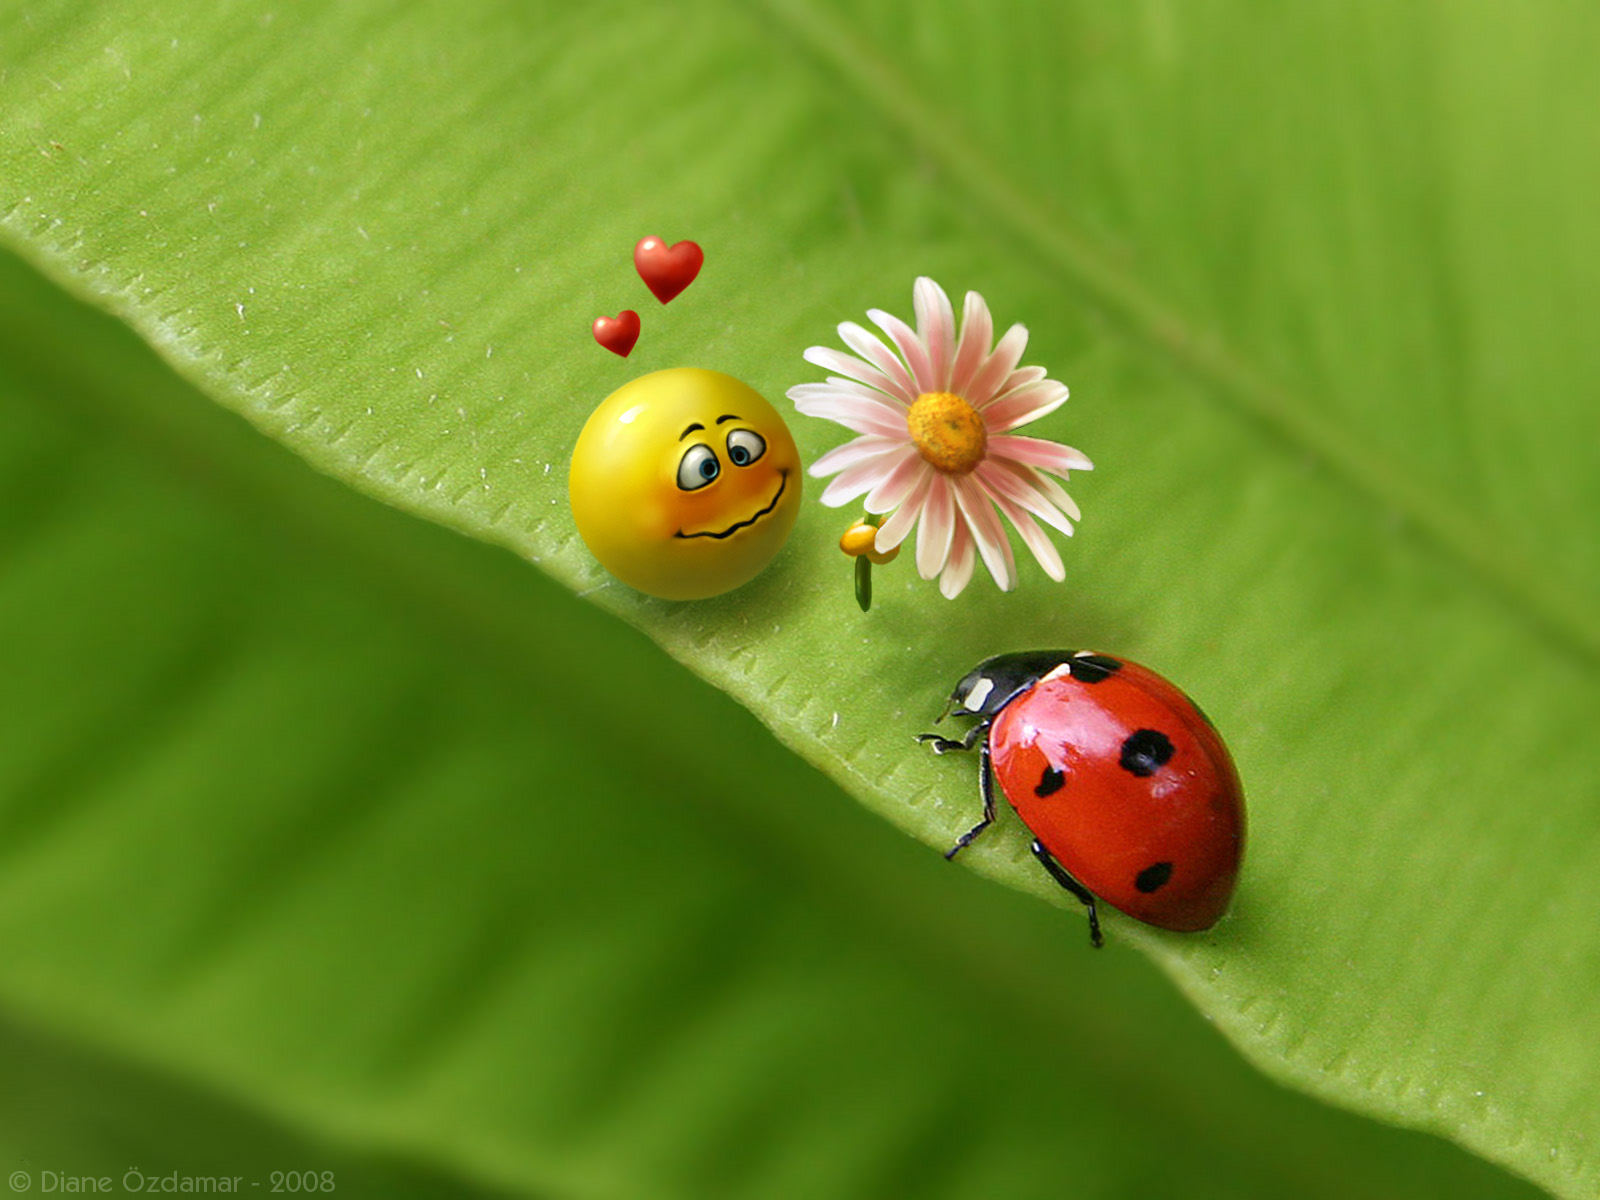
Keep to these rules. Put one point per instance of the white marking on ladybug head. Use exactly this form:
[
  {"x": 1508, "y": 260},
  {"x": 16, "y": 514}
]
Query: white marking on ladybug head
[
  {"x": 1058, "y": 672},
  {"x": 974, "y": 699}
]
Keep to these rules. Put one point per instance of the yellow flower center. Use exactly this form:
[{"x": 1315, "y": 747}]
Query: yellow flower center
[{"x": 947, "y": 431}]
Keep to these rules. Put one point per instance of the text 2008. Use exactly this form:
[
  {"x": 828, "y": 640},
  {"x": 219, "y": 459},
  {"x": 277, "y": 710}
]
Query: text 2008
[{"x": 302, "y": 1181}]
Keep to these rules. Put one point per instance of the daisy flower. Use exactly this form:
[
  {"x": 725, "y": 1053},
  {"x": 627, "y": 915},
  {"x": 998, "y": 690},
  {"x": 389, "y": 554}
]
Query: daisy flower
[{"x": 935, "y": 415}]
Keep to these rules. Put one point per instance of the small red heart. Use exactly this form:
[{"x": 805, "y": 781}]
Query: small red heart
[
  {"x": 666, "y": 272},
  {"x": 618, "y": 334}
]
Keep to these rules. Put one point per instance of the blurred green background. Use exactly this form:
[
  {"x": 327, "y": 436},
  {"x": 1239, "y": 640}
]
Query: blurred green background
[{"x": 334, "y": 840}]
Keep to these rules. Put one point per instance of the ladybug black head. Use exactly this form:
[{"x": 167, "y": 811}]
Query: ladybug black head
[{"x": 986, "y": 689}]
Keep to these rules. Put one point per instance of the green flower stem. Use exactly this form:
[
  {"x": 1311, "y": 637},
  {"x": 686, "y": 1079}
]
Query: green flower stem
[{"x": 864, "y": 567}]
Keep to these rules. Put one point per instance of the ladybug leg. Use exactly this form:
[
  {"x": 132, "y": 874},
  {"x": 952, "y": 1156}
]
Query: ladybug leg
[
  {"x": 943, "y": 745},
  {"x": 1060, "y": 875},
  {"x": 986, "y": 783}
]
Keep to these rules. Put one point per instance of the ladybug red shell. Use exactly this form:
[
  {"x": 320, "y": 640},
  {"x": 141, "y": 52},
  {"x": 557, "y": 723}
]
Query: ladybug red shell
[{"x": 1129, "y": 791}]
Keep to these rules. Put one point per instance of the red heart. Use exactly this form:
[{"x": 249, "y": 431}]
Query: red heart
[
  {"x": 618, "y": 334},
  {"x": 666, "y": 272}
]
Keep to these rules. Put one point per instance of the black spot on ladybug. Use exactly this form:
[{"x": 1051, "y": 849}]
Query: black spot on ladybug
[
  {"x": 1152, "y": 877},
  {"x": 1145, "y": 752},
  {"x": 1092, "y": 668},
  {"x": 1049, "y": 783}
]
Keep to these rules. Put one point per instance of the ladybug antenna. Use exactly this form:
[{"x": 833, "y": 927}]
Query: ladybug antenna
[{"x": 945, "y": 711}]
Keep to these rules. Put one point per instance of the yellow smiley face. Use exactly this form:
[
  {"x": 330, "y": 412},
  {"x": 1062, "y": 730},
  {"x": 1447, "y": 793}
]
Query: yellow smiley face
[{"x": 685, "y": 483}]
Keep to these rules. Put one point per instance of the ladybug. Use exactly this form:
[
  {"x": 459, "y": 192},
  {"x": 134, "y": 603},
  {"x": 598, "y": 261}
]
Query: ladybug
[{"x": 1127, "y": 788}]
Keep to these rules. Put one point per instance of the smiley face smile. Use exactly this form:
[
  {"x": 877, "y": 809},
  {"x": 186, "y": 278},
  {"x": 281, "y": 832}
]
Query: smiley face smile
[{"x": 783, "y": 482}]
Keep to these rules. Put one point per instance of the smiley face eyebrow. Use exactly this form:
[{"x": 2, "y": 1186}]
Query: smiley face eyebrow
[
  {"x": 690, "y": 430},
  {"x": 729, "y": 417}
]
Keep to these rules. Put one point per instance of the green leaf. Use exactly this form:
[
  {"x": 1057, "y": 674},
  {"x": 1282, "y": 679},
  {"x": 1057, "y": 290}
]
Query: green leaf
[
  {"x": 333, "y": 842},
  {"x": 1319, "y": 295}
]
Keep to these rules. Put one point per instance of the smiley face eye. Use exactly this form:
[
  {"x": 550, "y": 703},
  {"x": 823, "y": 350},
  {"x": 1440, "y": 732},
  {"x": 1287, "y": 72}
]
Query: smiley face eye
[
  {"x": 698, "y": 467},
  {"x": 745, "y": 446}
]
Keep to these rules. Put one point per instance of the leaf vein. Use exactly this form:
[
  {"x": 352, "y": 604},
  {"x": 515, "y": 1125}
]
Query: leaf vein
[{"x": 1545, "y": 602}]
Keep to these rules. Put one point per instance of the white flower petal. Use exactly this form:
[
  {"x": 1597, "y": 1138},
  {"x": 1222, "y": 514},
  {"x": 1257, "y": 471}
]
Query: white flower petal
[
  {"x": 853, "y": 412},
  {"x": 963, "y": 557},
  {"x": 880, "y": 356},
  {"x": 1015, "y": 485},
  {"x": 993, "y": 546},
  {"x": 909, "y": 345},
  {"x": 835, "y": 386},
  {"x": 1024, "y": 404},
  {"x": 851, "y": 388},
  {"x": 998, "y": 366},
  {"x": 1053, "y": 492},
  {"x": 1043, "y": 548},
  {"x": 848, "y": 389},
  {"x": 893, "y": 531},
  {"x": 1032, "y": 536},
  {"x": 1021, "y": 377},
  {"x": 1036, "y": 452},
  {"x": 902, "y": 478},
  {"x": 938, "y": 526},
  {"x": 852, "y": 482},
  {"x": 977, "y": 334},
  {"x": 847, "y": 455},
  {"x": 936, "y": 322},
  {"x": 850, "y": 366}
]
